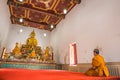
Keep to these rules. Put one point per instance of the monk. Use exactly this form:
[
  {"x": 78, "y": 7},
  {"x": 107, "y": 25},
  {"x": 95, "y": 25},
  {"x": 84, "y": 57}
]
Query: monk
[{"x": 98, "y": 66}]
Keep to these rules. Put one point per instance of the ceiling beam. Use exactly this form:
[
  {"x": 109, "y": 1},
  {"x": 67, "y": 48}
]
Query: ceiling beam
[
  {"x": 46, "y": 27},
  {"x": 41, "y": 23}
]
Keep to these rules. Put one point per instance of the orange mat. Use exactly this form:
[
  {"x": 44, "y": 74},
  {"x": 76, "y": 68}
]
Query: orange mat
[{"x": 27, "y": 74}]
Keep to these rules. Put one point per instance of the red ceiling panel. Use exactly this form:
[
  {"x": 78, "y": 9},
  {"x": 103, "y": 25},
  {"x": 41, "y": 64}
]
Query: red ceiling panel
[
  {"x": 18, "y": 11},
  {"x": 39, "y": 13},
  {"x": 36, "y": 16}
]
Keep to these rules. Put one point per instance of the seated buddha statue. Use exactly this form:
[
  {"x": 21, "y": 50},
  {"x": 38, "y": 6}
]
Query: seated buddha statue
[
  {"x": 46, "y": 54},
  {"x": 32, "y": 41},
  {"x": 47, "y": 51},
  {"x": 32, "y": 54},
  {"x": 16, "y": 50}
]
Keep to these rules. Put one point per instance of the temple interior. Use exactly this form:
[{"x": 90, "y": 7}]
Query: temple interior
[{"x": 59, "y": 34}]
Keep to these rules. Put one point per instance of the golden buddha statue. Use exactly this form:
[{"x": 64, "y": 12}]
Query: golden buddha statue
[
  {"x": 32, "y": 41},
  {"x": 32, "y": 54},
  {"x": 5, "y": 56},
  {"x": 46, "y": 54},
  {"x": 46, "y": 51},
  {"x": 16, "y": 50}
]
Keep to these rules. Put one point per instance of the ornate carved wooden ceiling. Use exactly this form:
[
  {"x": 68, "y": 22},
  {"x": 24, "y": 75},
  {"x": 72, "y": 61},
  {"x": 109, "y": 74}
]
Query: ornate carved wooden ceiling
[{"x": 39, "y": 13}]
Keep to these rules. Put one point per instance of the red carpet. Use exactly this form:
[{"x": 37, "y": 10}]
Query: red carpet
[{"x": 27, "y": 74}]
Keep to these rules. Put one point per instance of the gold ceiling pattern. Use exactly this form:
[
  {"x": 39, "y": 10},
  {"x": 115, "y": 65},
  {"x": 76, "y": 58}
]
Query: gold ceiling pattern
[{"x": 39, "y": 13}]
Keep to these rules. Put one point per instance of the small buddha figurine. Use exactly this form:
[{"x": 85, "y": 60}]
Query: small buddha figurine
[
  {"x": 32, "y": 54},
  {"x": 16, "y": 50},
  {"x": 32, "y": 41},
  {"x": 46, "y": 51},
  {"x": 46, "y": 54},
  {"x": 6, "y": 56}
]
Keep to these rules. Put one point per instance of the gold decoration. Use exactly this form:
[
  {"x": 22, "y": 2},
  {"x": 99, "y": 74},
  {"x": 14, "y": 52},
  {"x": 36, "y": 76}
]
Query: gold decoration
[{"x": 29, "y": 51}]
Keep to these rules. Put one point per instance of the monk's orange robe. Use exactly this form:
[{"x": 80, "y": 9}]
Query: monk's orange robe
[{"x": 98, "y": 67}]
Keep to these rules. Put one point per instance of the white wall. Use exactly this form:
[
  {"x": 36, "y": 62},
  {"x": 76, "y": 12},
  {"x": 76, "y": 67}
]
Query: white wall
[
  {"x": 4, "y": 23},
  {"x": 91, "y": 24},
  {"x": 21, "y": 37}
]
